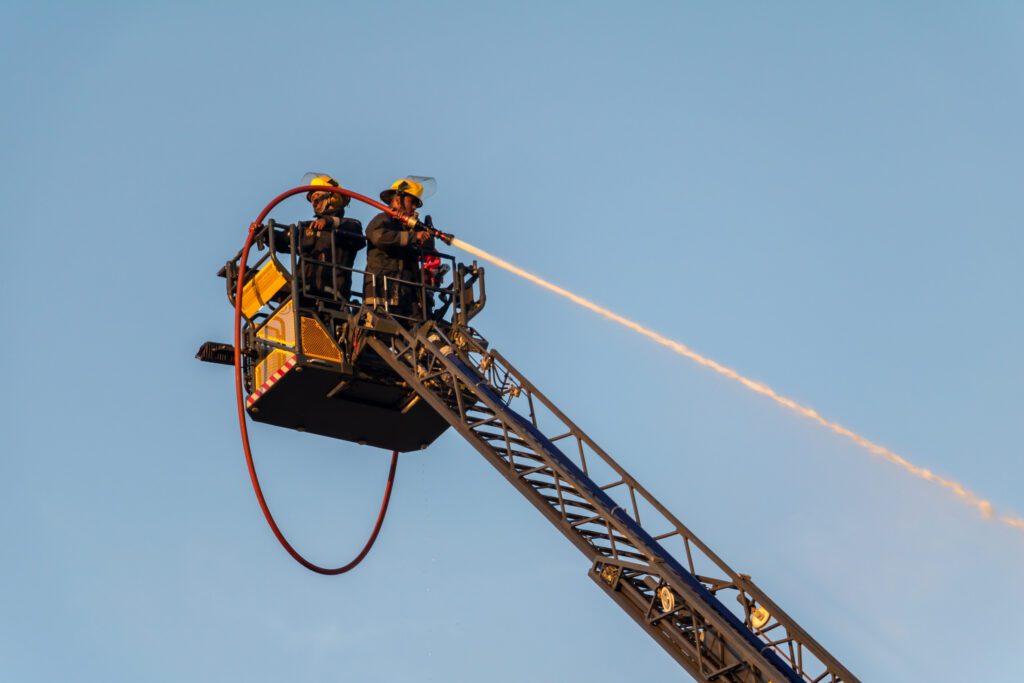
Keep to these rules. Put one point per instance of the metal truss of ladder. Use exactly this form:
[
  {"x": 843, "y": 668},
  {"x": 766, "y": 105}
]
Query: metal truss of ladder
[{"x": 679, "y": 599}]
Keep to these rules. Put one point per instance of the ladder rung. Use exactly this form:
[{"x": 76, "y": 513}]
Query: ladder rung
[
  {"x": 518, "y": 454},
  {"x": 622, "y": 553},
  {"x": 619, "y": 540},
  {"x": 568, "y": 502},
  {"x": 587, "y": 520},
  {"x": 524, "y": 471},
  {"x": 492, "y": 436}
]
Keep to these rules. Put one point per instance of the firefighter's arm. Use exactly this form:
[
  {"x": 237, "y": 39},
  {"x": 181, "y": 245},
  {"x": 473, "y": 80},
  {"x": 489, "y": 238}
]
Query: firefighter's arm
[{"x": 382, "y": 233}]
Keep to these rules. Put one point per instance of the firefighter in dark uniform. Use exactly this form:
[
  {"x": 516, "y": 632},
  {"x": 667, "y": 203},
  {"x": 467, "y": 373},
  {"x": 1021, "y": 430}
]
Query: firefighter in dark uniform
[
  {"x": 329, "y": 241},
  {"x": 395, "y": 252}
]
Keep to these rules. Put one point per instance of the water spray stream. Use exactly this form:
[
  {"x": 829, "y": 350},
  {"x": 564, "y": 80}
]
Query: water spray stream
[{"x": 983, "y": 506}]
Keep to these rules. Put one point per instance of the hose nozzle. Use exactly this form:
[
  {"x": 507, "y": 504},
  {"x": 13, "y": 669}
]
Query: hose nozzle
[{"x": 445, "y": 237}]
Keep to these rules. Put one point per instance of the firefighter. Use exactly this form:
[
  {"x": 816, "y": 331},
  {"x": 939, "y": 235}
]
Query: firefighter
[
  {"x": 327, "y": 271},
  {"x": 395, "y": 251}
]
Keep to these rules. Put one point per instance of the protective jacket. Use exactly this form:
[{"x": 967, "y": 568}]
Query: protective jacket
[
  {"x": 392, "y": 253},
  {"x": 319, "y": 274}
]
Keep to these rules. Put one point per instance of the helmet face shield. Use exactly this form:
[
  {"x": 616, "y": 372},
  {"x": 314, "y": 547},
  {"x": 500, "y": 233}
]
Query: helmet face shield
[
  {"x": 324, "y": 180},
  {"x": 318, "y": 178},
  {"x": 428, "y": 185}
]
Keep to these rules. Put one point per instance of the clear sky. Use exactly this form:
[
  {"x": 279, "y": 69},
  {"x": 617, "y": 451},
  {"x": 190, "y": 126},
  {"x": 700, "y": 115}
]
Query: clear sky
[{"x": 825, "y": 196}]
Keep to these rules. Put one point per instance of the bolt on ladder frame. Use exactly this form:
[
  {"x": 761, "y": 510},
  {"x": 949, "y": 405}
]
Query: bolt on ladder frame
[{"x": 557, "y": 467}]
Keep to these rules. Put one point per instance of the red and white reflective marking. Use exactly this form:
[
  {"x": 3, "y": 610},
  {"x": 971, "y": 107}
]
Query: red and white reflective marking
[{"x": 254, "y": 396}]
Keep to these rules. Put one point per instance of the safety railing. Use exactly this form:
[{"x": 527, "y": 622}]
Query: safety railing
[
  {"x": 343, "y": 297},
  {"x": 457, "y": 302}
]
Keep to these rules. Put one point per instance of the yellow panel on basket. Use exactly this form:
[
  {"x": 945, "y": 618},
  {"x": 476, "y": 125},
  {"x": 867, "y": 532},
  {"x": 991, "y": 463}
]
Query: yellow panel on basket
[
  {"x": 257, "y": 291},
  {"x": 271, "y": 364},
  {"x": 316, "y": 342},
  {"x": 280, "y": 327}
]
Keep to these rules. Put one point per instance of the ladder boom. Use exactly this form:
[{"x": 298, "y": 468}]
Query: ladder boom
[{"x": 557, "y": 467}]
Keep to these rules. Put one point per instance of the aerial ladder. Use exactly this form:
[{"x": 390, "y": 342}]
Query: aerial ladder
[{"x": 328, "y": 364}]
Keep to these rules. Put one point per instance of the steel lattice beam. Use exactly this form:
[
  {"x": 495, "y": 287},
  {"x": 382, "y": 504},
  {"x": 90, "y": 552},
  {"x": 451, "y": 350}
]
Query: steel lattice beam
[{"x": 500, "y": 413}]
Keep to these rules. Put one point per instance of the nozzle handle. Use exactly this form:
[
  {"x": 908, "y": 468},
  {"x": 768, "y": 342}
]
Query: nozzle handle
[{"x": 417, "y": 224}]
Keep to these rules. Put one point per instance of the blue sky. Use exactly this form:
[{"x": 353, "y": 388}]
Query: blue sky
[{"x": 825, "y": 197}]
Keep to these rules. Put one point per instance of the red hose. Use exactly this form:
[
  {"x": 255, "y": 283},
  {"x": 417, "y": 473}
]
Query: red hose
[{"x": 241, "y": 403}]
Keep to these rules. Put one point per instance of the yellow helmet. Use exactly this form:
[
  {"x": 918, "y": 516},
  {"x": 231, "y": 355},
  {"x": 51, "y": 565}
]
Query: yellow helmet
[
  {"x": 324, "y": 180},
  {"x": 417, "y": 187}
]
